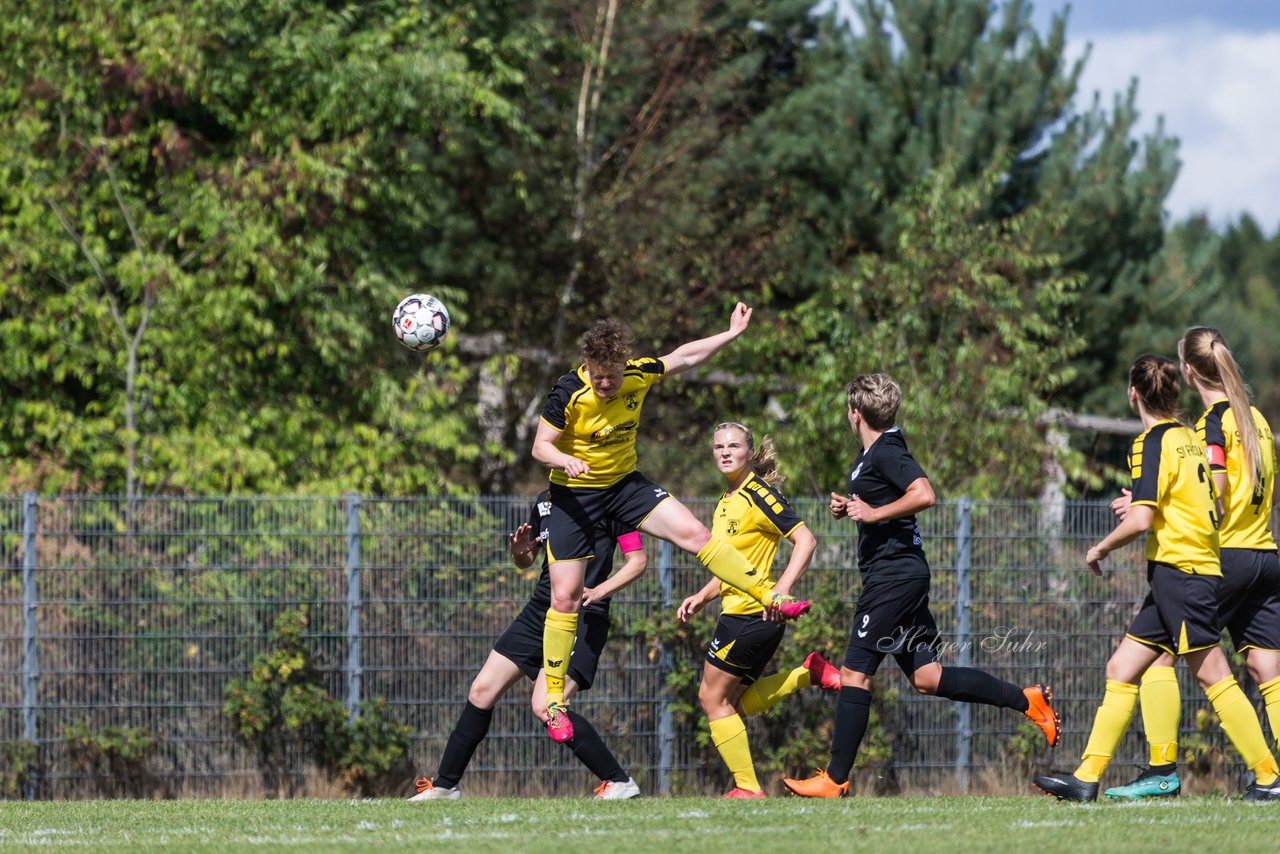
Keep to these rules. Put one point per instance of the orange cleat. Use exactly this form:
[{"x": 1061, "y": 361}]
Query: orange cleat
[
  {"x": 822, "y": 673},
  {"x": 736, "y": 792},
  {"x": 1040, "y": 712},
  {"x": 817, "y": 786}
]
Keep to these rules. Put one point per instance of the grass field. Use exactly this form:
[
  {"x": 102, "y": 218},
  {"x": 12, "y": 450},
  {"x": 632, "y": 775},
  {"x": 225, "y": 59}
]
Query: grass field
[{"x": 1027, "y": 825}]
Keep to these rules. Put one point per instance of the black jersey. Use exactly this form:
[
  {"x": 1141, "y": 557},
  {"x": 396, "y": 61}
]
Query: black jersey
[
  {"x": 879, "y": 476},
  {"x": 606, "y": 537}
]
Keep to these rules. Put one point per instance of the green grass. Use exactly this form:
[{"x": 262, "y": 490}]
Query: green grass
[{"x": 1027, "y": 825}]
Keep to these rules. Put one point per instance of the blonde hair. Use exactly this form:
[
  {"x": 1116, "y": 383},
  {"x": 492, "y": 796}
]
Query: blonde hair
[
  {"x": 1206, "y": 356},
  {"x": 764, "y": 460},
  {"x": 877, "y": 397}
]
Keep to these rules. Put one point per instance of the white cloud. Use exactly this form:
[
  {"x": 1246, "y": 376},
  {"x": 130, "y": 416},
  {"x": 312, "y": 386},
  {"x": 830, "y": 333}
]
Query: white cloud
[{"x": 1219, "y": 93}]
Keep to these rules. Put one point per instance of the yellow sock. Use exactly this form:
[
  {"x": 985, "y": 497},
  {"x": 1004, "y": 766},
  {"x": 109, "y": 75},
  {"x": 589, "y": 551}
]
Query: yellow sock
[
  {"x": 1270, "y": 692},
  {"x": 764, "y": 694},
  {"x": 1240, "y": 723},
  {"x": 727, "y": 564},
  {"x": 1161, "y": 708},
  {"x": 730, "y": 738},
  {"x": 1109, "y": 725},
  {"x": 557, "y": 643}
]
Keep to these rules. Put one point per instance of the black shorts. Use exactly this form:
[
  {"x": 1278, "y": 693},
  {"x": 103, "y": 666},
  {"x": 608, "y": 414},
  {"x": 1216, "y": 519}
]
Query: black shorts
[
  {"x": 892, "y": 619},
  {"x": 522, "y": 643},
  {"x": 575, "y": 513},
  {"x": 744, "y": 644},
  {"x": 1180, "y": 613},
  {"x": 1249, "y": 598}
]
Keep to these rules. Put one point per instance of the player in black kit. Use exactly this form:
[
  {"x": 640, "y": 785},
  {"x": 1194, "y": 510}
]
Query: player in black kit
[
  {"x": 518, "y": 652},
  {"x": 886, "y": 489}
]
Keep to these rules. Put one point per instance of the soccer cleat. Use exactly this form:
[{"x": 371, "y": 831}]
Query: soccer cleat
[
  {"x": 1040, "y": 712},
  {"x": 822, "y": 673},
  {"x": 1147, "y": 785},
  {"x": 818, "y": 786},
  {"x": 428, "y": 791},
  {"x": 610, "y": 790},
  {"x": 789, "y": 606},
  {"x": 1065, "y": 787},
  {"x": 559, "y": 727},
  {"x": 1254, "y": 792},
  {"x": 737, "y": 792}
]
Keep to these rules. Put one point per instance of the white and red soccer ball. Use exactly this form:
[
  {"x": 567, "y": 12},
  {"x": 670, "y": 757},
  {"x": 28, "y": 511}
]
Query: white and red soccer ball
[{"x": 420, "y": 322}]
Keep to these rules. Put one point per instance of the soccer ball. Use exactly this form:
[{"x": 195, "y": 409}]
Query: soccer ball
[{"x": 420, "y": 322}]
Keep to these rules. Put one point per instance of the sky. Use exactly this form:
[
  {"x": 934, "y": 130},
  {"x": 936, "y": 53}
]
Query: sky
[{"x": 1211, "y": 68}]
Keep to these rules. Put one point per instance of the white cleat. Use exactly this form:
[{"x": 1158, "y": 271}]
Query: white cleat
[
  {"x": 612, "y": 791},
  {"x": 427, "y": 791}
]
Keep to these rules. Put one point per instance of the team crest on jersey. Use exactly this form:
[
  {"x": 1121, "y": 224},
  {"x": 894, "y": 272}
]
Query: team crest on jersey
[
  {"x": 544, "y": 508},
  {"x": 631, "y": 401},
  {"x": 732, "y": 527},
  {"x": 857, "y": 471}
]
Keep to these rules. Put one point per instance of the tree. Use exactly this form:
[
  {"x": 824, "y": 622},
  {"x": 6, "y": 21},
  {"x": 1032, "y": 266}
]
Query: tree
[{"x": 209, "y": 206}]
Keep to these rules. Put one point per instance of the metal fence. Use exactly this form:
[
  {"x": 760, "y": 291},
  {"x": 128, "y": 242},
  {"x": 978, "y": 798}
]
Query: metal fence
[{"x": 138, "y": 613}]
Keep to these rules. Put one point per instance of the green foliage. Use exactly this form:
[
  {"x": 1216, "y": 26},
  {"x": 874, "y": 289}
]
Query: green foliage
[
  {"x": 18, "y": 763},
  {"x": 115, "y": 760},
  {"x": 284, "y": 713},
  {"x": 964, "y": 304}
]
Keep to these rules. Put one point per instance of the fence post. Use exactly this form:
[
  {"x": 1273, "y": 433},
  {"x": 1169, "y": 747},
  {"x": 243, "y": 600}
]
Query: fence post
[
  {"x": 964, "y": 722},
  {"x": 666, "y": 723},
  {"x": 353, "y": 606},
  {"x": 29, "y": 673}
]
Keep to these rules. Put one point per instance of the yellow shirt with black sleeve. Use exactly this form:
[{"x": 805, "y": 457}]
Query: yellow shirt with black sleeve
[
  {"x": 1171, "y": 473},
  {"x": 1247, "y": 514},
  {"x": 600, "y": 432},
  {"x": 752, "y": 519}
]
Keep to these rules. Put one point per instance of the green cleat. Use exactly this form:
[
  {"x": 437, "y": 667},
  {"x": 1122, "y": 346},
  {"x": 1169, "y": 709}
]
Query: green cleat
[{"x": 1147, "y": 785}]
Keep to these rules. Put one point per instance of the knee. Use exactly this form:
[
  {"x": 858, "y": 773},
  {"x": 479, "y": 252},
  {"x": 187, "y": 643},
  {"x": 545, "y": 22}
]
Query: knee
[
  {"x": 854, "y": 679},
  {"x": 692, "y": 536},
  {"x": 924, "y": 682},
  {"x": 566, "y": 602},
  {"x": 483, "y": 695},
  {"x": 708, "y": 698}
]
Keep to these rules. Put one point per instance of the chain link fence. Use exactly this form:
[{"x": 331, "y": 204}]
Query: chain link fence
[{"x": 137, "y": 613}]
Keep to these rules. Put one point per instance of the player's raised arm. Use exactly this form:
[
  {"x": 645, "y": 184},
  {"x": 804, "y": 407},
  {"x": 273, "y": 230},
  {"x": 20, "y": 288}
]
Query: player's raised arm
[{"x": 694, "y": 353}]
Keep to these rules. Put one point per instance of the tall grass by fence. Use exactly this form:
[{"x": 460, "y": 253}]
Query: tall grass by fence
[{"x": 137, "y": 614}]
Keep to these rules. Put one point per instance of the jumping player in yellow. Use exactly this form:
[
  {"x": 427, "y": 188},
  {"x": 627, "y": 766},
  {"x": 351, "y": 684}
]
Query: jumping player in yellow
[
  {"x": 587, "y": 437},
  {"x": 1172, "y": 501},
  {"x": 886, "y": 489},
  {"x": 1241, "y": 454},
  {"x": 752, "y": 516}
]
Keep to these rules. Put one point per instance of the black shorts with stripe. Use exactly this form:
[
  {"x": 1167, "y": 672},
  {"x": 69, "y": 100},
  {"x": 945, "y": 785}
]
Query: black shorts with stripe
[
  {"x": 575, "y": 513},
  {"x": 744, "y": 644},
  {"x": 1180, "y": 613},
  {"x": 892, "y": 618},
  {"x": 522, "y": 643},
  {"x": 1249, "y": 598}
]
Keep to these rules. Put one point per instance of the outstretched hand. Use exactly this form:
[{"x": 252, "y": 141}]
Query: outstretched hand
[{"x": 739, "y": 318}]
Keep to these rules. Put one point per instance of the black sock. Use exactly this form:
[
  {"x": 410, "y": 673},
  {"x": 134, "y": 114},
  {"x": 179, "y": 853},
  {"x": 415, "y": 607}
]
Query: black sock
[
  {"x": 591, "y": 751},
  {"x": 853, "y": 710},
  {"x": 1163, "y": 770},
  {"x": 468, "y": 732},
  {"x": 970, "y": 685}
]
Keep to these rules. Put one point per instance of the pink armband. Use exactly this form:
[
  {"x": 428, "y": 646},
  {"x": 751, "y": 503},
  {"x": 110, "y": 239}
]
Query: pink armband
[{"x": 630, "y": 542}]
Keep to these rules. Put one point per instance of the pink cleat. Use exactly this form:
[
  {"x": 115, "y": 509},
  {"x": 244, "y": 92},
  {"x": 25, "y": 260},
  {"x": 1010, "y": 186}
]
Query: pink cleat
[
  {"x": 789, "y": 607},
  {"x": 559, "y": 727},
  {"x": 822, "y": 673},
  {"x": 736, "y": 792}
]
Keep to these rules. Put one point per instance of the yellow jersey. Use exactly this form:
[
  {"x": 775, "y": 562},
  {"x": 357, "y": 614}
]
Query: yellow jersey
[
  {"x": 600, "y": 431},
  {"x": 752, "y": 519},
  {"x": 1246, "y": 522},
  {"x": 1171, "y": 473}
]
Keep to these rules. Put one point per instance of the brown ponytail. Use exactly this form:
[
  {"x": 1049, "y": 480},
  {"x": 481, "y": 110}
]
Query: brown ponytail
[{"x": 1205, "y": 354}]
